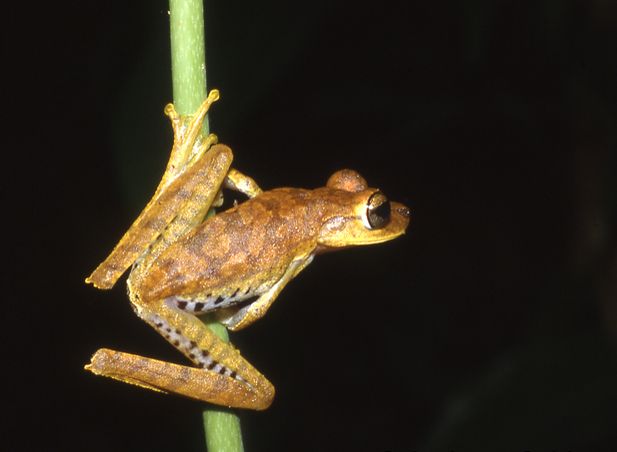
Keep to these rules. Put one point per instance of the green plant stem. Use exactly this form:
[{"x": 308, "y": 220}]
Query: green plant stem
[
  {"x": 222, "y": 427},
  {"x": 188, "y": 68},
  {"x": 188, "y": 54}
]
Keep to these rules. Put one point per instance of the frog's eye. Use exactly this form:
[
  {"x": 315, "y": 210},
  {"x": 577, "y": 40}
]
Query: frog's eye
[{"x": 377, "y": 211}]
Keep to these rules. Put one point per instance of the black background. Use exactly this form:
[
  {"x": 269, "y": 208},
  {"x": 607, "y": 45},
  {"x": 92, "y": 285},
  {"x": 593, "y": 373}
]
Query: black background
[{"x": 490, "y": 326}]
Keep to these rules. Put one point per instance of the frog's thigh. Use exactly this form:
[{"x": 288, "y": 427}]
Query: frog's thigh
[
  {"x": 186, "y": 131},
  {"x": 245, "y": 316}
]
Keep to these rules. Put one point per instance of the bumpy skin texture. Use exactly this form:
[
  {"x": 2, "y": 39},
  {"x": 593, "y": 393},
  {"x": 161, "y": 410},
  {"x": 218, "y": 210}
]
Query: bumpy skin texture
[{"x": 183, "y": 266}]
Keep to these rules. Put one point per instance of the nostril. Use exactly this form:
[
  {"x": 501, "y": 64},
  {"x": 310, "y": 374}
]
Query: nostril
[{"x": 404, "y": 211}]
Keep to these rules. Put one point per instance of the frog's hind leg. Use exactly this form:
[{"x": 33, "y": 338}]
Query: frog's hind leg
[
  {"x": 223, "y": 376},
  {"x": 191, "y": 174}
]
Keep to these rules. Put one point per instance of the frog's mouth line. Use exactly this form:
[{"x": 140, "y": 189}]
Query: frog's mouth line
[{"x": 324, "y": 248}]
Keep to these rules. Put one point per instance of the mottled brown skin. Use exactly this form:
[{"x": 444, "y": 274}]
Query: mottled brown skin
[{"x": 183, "y": 266}]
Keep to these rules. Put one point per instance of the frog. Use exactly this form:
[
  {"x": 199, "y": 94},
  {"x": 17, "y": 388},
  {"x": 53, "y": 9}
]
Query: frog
[{"x": 231, "y": 265}]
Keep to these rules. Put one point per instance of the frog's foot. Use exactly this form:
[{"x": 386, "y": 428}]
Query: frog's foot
[
  {"x": 187, "y": 130},
  {"x": 223, "y": 376},
  {"x": 186, "y": 126},
  {"x": 161, "y": 376},
  {"x": 201, "y": 148}
]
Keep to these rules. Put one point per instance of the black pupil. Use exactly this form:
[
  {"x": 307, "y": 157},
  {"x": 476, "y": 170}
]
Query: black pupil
[{"x": 380, "y": 215}]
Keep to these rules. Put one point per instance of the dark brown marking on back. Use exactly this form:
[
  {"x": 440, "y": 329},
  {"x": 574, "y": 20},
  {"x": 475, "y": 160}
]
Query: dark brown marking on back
[
  {"x": 183, "y": 193},
  {"x": 155, "y": 224}
]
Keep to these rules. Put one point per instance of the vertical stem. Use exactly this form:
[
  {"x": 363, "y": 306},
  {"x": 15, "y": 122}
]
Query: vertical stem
[
  {"x": 188, "y": 54},
  {"x": 222, "y": 427},
  {"x": 188, "y": 69}
]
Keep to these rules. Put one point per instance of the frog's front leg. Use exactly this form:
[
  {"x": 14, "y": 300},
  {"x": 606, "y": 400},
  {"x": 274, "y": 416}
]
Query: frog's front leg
[
  {"x": 236, "y": 319},
  {"x": 237, "y": 181},
  {"x": 224, "y": 377}
]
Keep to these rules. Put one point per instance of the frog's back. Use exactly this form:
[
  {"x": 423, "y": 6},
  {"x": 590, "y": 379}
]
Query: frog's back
[{"x": 244, "y": 249}]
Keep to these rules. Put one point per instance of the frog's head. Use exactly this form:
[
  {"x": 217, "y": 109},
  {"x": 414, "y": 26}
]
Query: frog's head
[{"x": 362, "y": 216}]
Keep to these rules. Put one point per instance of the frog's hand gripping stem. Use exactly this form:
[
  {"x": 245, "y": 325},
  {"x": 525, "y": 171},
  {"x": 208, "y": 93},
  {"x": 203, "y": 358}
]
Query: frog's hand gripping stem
[
  {"x": 193, "y": 176},
  {"x": 224, "y": 377}
]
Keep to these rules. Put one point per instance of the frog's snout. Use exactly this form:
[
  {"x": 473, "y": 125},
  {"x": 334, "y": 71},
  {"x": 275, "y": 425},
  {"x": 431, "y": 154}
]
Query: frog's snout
[
  {"x": 401, "y": 217},
  {"x": 404, "y": 211}
]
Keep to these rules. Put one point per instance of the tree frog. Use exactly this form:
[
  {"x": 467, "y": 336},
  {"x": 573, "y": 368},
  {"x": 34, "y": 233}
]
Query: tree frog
[{"x": 233, "y": 264}]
